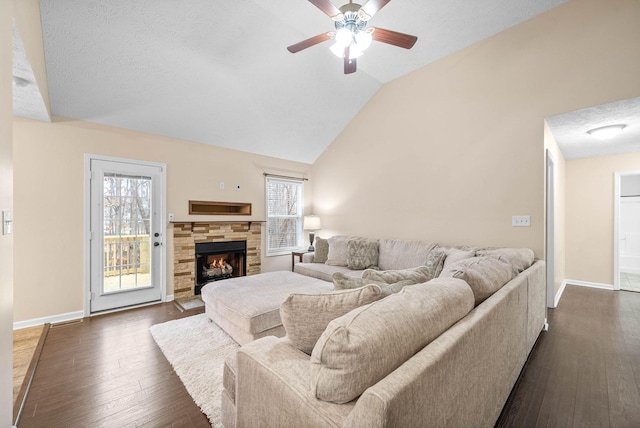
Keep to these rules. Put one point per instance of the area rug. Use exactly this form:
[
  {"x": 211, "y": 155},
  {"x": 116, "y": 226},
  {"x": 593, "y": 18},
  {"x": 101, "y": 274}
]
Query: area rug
[{"x": 196, "y": 348}]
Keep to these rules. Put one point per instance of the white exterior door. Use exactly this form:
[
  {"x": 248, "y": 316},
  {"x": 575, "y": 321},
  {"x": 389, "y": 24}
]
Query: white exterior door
[{"x": 126, "y": 259}]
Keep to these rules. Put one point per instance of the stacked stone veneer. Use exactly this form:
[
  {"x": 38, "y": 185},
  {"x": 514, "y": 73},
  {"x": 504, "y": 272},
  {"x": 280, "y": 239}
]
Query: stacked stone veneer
[{"x": 185, "y": 236}]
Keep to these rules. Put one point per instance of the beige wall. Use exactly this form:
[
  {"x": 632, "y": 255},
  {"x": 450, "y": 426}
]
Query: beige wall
[
  {"x": 450, "y": 152},
  {"x": 590, "y": 208},
  {"x": 49, "y": 175},
  {"x": 559, "y": 194},
  {"x": 6, "y": 202}
]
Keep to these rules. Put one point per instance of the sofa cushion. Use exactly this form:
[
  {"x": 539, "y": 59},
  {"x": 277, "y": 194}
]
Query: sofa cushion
[
  {"x": 363, "y": 346},
  {"x": 305, "y": 316},
  {"x": 337, "y": 255},
  {"x": 485, "y": 275},
  {"x": 322, "y": 250},
  {"x": 324, "y": 271},
  {"x": 519, "y": 258},
  {"x": 344, "y": 282},
  {"x": 394, "y": 254},
  {"x": 362, "y": 253}
]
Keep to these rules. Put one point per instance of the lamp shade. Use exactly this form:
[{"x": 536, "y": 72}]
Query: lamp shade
[{"x": 312, "y": 222}]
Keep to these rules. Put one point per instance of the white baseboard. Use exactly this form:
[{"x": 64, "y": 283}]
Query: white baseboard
[
  {"x": 558, "y": 295},
  {"x": 69, "y": 316},
  {"x": 589, "y": 284},
  {"x": 169, "y": 298}
]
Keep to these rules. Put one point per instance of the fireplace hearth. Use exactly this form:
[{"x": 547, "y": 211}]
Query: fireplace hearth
[{"x": 216, "y": 261}]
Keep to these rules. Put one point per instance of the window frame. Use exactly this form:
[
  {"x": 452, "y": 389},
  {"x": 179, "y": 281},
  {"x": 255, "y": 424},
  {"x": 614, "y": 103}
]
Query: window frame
[{"x": 299, "y": 216}]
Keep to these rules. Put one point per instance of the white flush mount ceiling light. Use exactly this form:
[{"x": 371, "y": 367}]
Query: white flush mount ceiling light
[{"x": 606, "y": 132}]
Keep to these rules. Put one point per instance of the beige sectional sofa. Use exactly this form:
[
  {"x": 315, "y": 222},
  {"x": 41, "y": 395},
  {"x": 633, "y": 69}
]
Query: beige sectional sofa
[{"x": 440, "y": 353}]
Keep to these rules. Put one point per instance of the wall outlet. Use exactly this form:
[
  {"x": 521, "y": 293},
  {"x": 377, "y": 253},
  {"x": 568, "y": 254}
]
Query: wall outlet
[
  {"x": 171, "y": 217},
  {"x": 521, "y": 221},
  {"x": 238, "y": 187},
  {"x": 221, "y": 185}
]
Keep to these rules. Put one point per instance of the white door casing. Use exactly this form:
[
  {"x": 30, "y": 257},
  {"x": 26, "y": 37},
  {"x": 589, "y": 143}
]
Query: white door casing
[{"x": 125, "y": 257}]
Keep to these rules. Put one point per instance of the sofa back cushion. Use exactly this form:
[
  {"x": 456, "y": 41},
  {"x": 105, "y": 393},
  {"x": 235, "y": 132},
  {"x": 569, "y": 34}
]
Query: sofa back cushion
[
  {"x": 394, "y": 254},
  {"x": 362, "y": 347},
  {"x": 306, "y": 316},
  {"x": 485, "y": 275}
]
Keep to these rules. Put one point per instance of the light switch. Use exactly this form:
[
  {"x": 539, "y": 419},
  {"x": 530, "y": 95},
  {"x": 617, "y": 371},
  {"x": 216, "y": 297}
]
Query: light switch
[{"x": 7, "y": 222}]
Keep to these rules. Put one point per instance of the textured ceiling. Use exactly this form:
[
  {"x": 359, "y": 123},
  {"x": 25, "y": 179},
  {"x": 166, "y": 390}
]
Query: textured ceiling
[
  {"x": 218, "y": 72},
  {"x": 570, "y": 129}
]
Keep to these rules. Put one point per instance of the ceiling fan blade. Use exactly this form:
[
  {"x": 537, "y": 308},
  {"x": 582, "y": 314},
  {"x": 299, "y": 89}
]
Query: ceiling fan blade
[
  {"x": 373, "y": 6},
  {"x": 308, "y": 42},
  {"x": 327, "y": 7},
  {"x": 350, "y": 65},
  {"x": 393, "y": 38}
]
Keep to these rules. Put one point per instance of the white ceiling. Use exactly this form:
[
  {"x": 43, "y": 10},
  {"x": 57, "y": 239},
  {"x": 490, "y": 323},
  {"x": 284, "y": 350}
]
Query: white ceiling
[
  {"x": 570, "y": 129},
  {"x": 218, "y": 72}
]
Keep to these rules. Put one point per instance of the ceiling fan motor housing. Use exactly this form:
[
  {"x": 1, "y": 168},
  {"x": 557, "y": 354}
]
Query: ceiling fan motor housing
[{"x": 352, "y": 21}]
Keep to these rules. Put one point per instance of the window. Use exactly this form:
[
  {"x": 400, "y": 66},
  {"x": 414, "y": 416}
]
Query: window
[{"x": 284, "y": 215}]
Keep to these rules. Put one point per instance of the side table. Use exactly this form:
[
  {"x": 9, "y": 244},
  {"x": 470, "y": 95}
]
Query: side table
[{"x": 299, "y": 255}]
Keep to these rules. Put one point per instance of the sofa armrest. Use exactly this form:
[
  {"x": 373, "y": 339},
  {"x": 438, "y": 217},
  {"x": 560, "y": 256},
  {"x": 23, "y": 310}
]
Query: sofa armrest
[
  {"x": 308, "y": 257},
  {"x": 273, "y": 388}
]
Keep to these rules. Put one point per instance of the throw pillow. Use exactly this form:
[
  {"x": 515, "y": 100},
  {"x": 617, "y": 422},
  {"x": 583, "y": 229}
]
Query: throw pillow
[
  {"x": 362, "y": 253},
  {"x": 435, "y": 262},
  {"x": 454, "y": 255},
  {"x": 322, "y": 250},
  {"x": 306, "y": 316},
  {"x": 485, "y": 275},
  {"x": 418, "y": 274},
  {"x": 362, "y": 347},
  {"x": 519, "y": 258},
  {"x": 343, "y": 282},
  {"x": 337, "y": 254}
]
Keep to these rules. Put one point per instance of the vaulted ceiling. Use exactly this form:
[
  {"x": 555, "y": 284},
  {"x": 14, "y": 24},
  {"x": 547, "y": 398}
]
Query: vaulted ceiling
[{"x": 218, "y": 72}]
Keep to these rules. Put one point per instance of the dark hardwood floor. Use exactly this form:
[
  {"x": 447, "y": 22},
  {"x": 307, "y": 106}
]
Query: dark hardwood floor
[
  {"x": 585, "y": 371},
  {"x": 107, "y": 371}
]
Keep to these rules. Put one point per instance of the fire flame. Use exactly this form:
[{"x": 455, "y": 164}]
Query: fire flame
[{"x": 217, "y": 263}]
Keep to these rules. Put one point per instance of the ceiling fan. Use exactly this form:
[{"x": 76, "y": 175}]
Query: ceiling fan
[{"x": 352, "y": 35}]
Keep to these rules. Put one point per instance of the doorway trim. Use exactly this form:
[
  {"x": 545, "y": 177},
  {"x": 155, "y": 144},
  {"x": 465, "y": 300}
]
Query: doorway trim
[
  {"x": 87, "y": 227},
  {"x": 616, "y": 226},
  {"x": 550, "y": 229}
]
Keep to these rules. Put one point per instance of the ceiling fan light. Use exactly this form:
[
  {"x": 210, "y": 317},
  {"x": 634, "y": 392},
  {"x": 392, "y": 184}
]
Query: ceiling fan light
[
  {"x": 354, "y": 51},
  {"x": 344, "y": 37},
  {"x": 363, "y": 40},
  {"x": 337, "y": 50},
  {"x": 606, "y": 132}
]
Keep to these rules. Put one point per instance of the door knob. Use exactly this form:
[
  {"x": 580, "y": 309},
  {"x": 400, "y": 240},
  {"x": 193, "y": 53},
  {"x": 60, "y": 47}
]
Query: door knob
[
  {"x": 156, "y": 244},
  {"x": 156, "y": 234}
]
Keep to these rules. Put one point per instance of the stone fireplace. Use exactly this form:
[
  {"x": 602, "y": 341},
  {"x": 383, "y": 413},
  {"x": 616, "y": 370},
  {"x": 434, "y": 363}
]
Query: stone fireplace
[{"x": 213, "y": 251}]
